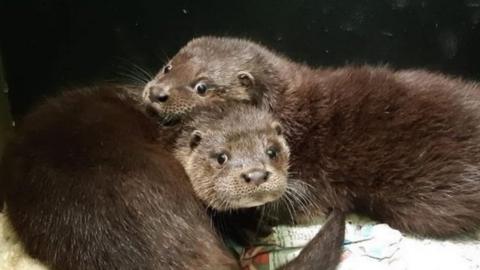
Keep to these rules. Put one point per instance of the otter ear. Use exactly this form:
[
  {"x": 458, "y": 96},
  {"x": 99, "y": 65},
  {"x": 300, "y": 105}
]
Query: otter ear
[
  {"x": 195, "y": 138},
  {"x": 246, "y": 78},
  {"x": 277, "y": 127}
]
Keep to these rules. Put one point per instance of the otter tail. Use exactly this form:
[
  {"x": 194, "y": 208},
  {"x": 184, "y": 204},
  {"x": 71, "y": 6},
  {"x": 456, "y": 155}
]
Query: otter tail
[{"x": 324, "y": 250}]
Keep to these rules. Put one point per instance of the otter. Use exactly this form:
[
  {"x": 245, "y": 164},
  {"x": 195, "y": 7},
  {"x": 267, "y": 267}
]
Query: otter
[
  {"x": 236, "y": 158},
  {"x": 89, "y": 185},
  {"x": 91, "y": 182},
  {"x": 402, "y": 146}
]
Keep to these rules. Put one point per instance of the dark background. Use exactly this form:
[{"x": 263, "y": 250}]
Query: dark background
[{"x": 48, "y": 45}]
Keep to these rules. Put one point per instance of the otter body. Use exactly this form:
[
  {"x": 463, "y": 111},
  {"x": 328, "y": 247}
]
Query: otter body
[
  {"x": 237, "y": 158},
  {"x": 400, "y": 146},
  {"x": 91, "y": 183}
]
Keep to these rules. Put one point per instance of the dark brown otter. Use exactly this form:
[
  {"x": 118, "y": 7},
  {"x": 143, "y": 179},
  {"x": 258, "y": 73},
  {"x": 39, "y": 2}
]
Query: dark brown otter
[
  {"x": 91, "y": 183},
  {"x": 401, "y": 146}
]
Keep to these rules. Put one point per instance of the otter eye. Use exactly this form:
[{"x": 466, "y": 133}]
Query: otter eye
[
  {"x": 201, "y": 88},
  {"x": 222, "y": 158},
  {"x": 272, "y": 152},
  {"x": 167, "y": 69}
]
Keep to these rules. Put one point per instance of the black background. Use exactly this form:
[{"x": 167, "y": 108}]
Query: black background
[{"x": 48, "y": 45}]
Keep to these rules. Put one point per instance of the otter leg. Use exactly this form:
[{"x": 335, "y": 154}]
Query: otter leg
[{"x": 324, "y": 250}]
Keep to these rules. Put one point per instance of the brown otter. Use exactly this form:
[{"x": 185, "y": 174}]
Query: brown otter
[
  {"x": 401, "y": 146},
  {"x": 234, "y": 158},
  {"x": 91, "y": 183}
]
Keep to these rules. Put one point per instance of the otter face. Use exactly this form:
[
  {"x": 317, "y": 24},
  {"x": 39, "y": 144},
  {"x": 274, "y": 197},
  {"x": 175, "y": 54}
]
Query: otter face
[
  {"x": 205, "y": 70},
  {"x": 237, "y": 161}
]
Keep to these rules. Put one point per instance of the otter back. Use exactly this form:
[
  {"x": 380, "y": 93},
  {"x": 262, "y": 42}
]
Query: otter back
[{"x": 90, "y": 184}]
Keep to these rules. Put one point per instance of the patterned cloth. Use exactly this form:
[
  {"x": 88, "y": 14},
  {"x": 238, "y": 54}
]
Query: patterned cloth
[{"x": 368, "y": 245}]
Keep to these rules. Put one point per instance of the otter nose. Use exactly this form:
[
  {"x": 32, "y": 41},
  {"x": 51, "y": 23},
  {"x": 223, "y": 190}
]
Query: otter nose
[
  {"x": 157, "y": 94},
  {"x": 256, "y": 176}
]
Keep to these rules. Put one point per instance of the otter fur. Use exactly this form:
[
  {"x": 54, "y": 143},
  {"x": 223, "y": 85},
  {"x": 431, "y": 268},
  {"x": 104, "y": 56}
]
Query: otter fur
[
  {"x": 402, "y": 146},
  {"x": 91, "y": 182},
  {"x": 89, "y": 185},
  {"x": 234, "y": 158}
]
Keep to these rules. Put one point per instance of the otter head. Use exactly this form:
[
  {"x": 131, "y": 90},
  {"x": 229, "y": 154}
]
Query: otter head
[
  {"x": 211, "y": 69},
  {"x": 235, "y": 157}
]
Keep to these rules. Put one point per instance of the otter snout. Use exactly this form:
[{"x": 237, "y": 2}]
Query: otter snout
[
  {"x": 157, "y": 94},
  {"x": 256, "y": 176}
]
